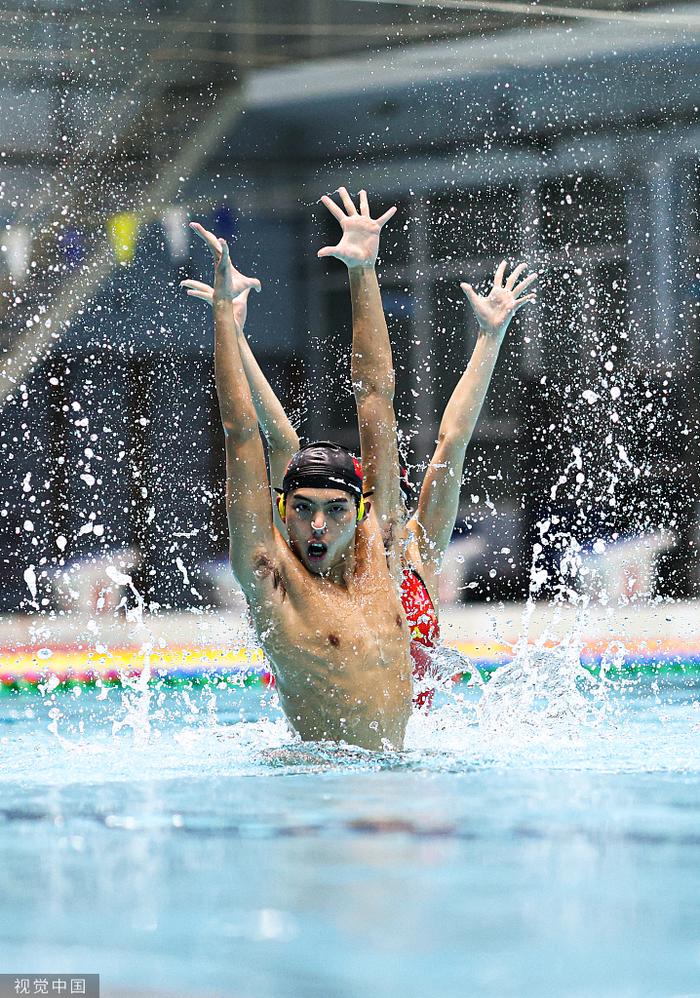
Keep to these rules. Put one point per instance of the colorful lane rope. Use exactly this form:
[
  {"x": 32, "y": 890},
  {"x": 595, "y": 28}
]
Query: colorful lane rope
[{"x": 33, "y": 668}]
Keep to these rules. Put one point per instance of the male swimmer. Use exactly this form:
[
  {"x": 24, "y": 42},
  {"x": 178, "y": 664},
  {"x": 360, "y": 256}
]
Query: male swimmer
[
  {"x": 426, "y": 533},
  {"x": 325, "y": 600}
]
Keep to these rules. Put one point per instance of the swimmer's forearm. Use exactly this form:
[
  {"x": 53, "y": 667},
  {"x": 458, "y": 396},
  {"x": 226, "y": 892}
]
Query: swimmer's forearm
[
  {"x": 238, "y": 415},
  {"x": 274, "y": 422},
  {"x": 438, "y": 503},
  {"x": 373, "y": 384},
  {"x": 462, "y": 411},
  {"x": 372, "y": 367}
]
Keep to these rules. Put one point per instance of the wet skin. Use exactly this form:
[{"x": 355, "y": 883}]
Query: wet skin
[
  {"x": 326, "y": 606},
  {"x": 328, "y": 612}
]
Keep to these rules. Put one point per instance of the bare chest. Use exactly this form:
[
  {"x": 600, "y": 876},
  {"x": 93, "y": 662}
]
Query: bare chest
[
  {"x": 336, "y": 633},
  {"x": 342, "y": 666}
]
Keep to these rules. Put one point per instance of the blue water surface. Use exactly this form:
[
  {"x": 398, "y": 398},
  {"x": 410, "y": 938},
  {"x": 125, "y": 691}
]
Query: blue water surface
[{"x": 180, "y": 841}]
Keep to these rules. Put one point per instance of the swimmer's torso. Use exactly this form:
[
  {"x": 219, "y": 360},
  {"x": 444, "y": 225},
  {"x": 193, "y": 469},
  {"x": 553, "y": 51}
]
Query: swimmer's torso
[{"x": 340, "y": 654}]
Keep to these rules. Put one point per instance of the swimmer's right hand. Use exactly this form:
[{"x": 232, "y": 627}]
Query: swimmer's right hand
[{"x": 359, "y": 244}]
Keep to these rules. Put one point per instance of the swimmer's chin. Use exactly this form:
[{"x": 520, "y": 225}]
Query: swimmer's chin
[
  {"x": 317, "y": 565},
  {"x": 314, "y": 565}
]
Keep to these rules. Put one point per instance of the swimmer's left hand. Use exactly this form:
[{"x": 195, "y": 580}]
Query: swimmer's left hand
[
  {"x": 205, "y": 292},
  {"x": 494, "y": 311},
  {"x": 229, "y": 283},
  {"x": 238, "y": 281},
  {"x": 359, "y": 245}
]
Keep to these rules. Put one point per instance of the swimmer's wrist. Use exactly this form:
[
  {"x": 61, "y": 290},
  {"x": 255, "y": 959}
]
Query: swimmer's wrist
[
  {"x": 491, "y": 337},
  {"x": 218, "y": 301},
  {"x": 222, "y": 297}
]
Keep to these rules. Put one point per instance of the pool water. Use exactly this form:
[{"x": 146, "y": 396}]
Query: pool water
[{"x": 179, "y": 840}]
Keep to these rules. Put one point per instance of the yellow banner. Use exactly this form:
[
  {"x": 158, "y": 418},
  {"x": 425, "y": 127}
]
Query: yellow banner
[{"x": 123, "y": 230}]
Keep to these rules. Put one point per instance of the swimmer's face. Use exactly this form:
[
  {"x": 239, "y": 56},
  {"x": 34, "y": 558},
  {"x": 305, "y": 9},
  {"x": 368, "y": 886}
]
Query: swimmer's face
[{"x": 321, "y": 525}]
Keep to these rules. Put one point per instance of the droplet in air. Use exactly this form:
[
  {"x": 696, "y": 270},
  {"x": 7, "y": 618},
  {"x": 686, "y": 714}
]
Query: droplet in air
[{"x": 30, "y": 579}]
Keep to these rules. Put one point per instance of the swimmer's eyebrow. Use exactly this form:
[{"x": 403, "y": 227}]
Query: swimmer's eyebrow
[{"x": 343, "y": 500}]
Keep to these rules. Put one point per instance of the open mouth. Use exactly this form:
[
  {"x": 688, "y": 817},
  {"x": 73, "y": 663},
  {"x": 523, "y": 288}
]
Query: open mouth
[{"x": 316, "y": 550}]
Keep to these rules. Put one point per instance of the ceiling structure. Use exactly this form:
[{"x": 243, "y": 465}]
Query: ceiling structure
[
  {"x": 200, "y": 41},
  {"x": 114, "y": 105}
]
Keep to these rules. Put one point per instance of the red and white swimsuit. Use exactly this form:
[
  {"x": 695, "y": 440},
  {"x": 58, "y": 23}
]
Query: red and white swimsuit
[{"x": 425, "y": 630}]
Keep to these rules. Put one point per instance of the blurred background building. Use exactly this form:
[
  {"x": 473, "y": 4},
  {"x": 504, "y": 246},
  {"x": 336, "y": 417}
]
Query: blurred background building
[{"x": 568, "y": 140}]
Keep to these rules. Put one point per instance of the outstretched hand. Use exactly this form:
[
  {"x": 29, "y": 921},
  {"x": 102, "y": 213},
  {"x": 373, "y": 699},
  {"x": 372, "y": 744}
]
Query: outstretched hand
[
  {"x": 494, "y": 311},
  {"x": 205, "y": 292},
  {"x": 229, "y": 282},
  {"x": 359, "y": 244}
]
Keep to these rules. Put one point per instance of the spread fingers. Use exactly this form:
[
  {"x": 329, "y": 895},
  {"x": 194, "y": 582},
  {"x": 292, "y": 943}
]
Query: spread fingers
[
  {"x": 515, "y": 275},
  {"x": 332, "y": 207},
  {"x": 347, "y": 201},
  {"x": 519, "y": 288}
]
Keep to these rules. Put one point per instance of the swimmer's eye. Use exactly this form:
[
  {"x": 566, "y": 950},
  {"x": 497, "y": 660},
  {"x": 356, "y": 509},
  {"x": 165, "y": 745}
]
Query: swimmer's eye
[
  {"x": 336, "y": 510},
  {"x": 301, "y": 507}
]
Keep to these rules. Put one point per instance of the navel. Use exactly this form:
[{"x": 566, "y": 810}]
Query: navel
[{"x": 334, "y": 640}]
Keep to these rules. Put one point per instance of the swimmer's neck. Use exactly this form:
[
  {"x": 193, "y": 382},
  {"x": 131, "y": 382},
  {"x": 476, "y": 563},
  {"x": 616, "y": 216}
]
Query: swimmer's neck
[{"x": 343, "y": 573}]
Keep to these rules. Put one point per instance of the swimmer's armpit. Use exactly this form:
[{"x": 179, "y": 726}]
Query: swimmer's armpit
[{"x": 264, "y": 567}]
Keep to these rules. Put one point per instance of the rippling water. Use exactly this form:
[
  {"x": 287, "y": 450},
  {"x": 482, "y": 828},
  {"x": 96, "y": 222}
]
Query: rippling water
[{"x": 540, "y": 836}]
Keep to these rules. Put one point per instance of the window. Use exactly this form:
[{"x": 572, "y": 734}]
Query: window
[
  {"x": 581, "y": 210},
  {"x": 478, "y": 222}
]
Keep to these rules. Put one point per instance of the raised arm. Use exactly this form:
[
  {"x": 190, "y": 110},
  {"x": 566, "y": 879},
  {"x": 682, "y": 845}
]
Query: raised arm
[
  {"x": 372, "y": 367},
  {"x": 282, "y": 438},
  {"x": 248, "y": 501},
  {"x": 439, "y": 496}
]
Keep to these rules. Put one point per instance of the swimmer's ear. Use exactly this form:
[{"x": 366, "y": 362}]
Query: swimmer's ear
[{"x": 364, "y": 506}]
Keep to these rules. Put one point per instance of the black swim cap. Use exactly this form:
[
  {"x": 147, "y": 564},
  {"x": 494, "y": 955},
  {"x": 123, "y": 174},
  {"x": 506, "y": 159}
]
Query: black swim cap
[{"x": 323, "y": 464}]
